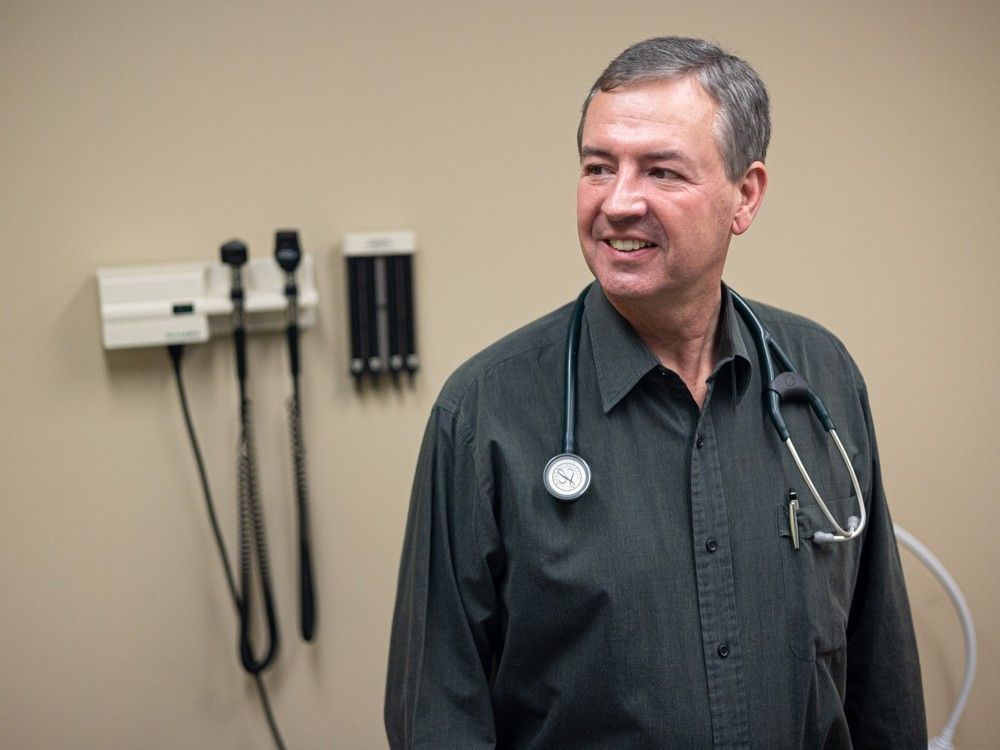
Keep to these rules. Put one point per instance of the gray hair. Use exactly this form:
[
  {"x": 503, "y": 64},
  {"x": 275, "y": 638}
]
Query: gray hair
[{"x": 743, "y": 119}]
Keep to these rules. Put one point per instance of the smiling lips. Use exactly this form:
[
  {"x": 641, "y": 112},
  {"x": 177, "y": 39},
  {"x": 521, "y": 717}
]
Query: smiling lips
[{"x": 628, "y": 246}]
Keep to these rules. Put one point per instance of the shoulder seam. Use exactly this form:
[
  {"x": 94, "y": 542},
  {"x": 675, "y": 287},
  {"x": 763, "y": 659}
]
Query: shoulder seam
[{"x": 454, "y": 405}]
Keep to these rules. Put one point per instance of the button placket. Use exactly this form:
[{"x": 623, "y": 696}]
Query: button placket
[{"x": 714, "y": 575}]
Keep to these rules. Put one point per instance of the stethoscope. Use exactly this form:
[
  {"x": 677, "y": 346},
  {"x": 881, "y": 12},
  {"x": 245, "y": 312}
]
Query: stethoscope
[{"x": 567, "y": 476}]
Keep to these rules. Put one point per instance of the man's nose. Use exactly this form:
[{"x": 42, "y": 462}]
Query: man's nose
[{"x": 625, "y": 200}]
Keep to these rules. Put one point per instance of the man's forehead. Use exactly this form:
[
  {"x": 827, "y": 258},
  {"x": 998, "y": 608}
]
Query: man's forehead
[{"x": 672, "y": 103}]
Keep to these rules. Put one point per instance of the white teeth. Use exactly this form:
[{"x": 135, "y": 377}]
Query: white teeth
[{"x": 627, "y": 246}]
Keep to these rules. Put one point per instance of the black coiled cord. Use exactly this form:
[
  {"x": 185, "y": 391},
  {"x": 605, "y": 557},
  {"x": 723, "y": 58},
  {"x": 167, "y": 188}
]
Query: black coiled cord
[
  {"x": 307, "y": 596},
  {"x": 176, "y": 353},
  {"x": 253, "y": 538}
]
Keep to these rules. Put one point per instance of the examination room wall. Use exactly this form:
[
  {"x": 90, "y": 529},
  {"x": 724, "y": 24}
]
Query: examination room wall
[{"x": 143, "y": 132}]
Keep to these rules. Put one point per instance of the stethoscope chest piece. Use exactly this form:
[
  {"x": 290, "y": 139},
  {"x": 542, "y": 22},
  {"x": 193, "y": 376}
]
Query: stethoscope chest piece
[{"x": 566, "y": 477}]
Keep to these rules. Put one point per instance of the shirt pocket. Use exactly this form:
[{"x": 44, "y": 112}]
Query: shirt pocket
[{"x": 818, "y": 578}]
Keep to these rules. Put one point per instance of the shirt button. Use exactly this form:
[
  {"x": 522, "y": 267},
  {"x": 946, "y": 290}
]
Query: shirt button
[
  {"x": 699, "y": 442},
  {"x": 711, "y": 545},
  {"x": 724, "y": 650}
]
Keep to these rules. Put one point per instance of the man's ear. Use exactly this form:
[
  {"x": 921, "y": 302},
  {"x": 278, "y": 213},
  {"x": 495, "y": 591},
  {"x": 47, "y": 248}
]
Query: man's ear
[{"x": 752, "y": 188}]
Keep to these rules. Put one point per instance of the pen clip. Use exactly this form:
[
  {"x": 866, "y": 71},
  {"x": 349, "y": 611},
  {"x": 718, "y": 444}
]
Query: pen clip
[{"x": 793, "y": 520}]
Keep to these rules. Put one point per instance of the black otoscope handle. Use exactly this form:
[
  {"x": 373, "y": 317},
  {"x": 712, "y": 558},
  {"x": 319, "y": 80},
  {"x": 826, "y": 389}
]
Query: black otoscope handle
[
  {"x": 288, "y": 255},
  {"x": 292, "y": 337},
  {"x": 234, "y": 255}
]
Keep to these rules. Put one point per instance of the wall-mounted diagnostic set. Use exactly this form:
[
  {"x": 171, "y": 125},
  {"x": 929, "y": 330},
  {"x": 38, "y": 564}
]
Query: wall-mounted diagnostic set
[
  {"x": 187, "y": 303},
  {"x": 178, "y": 304}
]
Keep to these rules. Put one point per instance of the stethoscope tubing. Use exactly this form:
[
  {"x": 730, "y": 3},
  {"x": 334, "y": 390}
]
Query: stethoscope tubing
[
  {"x": 766, "y": 345},
  {"x": 572, "y": 354},
  {"x": 788, "y": 382}
]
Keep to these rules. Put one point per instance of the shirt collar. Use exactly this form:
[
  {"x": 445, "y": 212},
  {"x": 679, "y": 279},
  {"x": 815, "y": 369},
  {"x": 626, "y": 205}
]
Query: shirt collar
[{"x": 621, "y": 359}]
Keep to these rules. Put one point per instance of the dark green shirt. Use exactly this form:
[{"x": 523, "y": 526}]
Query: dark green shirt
[{"x": 667, "y": 607}]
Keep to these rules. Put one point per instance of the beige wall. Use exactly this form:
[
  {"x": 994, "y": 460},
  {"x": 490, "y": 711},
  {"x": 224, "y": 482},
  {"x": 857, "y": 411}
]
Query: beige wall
[{"x": 147, "y": 132}]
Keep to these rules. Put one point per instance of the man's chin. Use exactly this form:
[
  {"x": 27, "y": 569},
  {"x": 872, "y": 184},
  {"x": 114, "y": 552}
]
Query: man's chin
[{"x": 626, "y": 286}]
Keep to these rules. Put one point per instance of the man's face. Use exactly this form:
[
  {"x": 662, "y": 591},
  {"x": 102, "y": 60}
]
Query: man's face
[{"x": 655, "y": 210}]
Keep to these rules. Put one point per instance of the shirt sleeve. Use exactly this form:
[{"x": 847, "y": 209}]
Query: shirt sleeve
[
  {"x": 885, "y": 703},
  {"x": 446, "y": 616}
]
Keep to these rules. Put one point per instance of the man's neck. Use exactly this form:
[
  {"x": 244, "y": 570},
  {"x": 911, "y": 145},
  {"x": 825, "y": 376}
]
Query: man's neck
[{"x": 681, "y": 333}]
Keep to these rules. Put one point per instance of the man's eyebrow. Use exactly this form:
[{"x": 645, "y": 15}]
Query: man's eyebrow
[
  {"x": 668, "y": 155},
  {"x": 589, "y": 151}
]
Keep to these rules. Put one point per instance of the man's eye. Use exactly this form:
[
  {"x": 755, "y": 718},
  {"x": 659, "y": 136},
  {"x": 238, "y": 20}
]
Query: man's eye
[
  {"x": 660, "y": 173},
  {"x": 596, "y": 170}
]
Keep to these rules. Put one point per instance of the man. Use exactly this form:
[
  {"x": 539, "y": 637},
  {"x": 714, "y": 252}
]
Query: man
[{"x": 685, "y": 600}]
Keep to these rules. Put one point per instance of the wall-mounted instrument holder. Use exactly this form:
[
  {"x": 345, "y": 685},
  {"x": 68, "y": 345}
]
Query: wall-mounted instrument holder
[
  {"x": 380, "y": 290},
  {"x": 181, "y": 303}
]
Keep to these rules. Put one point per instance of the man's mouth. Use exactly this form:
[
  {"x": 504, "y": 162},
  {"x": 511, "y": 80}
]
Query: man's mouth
[{"x": 628, "y": 246}]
